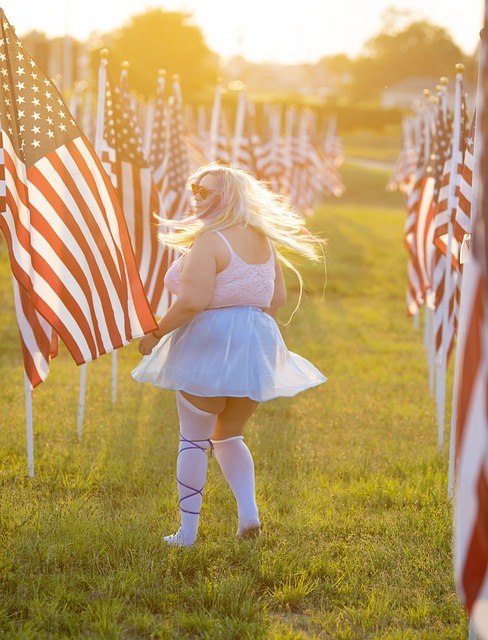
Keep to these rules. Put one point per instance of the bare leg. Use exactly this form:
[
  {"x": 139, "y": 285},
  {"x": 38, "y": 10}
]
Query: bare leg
[
  {"x": 210, "y": 405},
  {"x": 233, "y": 418}
]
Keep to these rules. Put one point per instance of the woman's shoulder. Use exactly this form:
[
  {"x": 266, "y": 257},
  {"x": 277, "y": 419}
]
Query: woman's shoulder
[
  {"x": 206, "y": 239},
  {"x": 206, "y": 243}
]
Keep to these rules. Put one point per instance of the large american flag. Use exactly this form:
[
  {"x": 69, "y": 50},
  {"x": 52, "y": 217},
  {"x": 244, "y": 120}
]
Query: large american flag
[
  {"x": 68, "y": 242},
  {"x": 471, "y": 505}
]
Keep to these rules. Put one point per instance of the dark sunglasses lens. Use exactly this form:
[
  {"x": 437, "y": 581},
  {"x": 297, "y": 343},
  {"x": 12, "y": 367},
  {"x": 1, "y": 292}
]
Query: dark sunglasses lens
[
  {"x": 203, "y": 193},
  {"x": 195, "y": 188}
]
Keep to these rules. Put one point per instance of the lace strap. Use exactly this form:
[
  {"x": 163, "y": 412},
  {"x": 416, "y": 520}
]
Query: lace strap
[{"x": 229, "y": 246}]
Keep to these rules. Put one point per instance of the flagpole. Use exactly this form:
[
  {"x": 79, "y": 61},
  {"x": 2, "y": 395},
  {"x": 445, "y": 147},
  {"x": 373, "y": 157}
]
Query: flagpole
[
  {"x": 430, "y": 344},
  {"x": 461, "y": 335},
  {"x": 102, "y": 80},
  {"x": 28, "y": 422},
  {"x": 67, "y": 53},
  {"x": 81, "y": 398},
  {"x": 471, "y": 631},
  {"x": 239, "y": 126},
  {"x": 148, "y": 127},
  {"x": 214, "y": 123}
]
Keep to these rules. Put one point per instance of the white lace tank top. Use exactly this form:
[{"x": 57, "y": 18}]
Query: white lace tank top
[{"x": 240, "y": 284}]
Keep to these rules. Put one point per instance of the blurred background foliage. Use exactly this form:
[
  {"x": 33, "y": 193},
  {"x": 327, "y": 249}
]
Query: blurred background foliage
[{"x": 355, "y": 89}]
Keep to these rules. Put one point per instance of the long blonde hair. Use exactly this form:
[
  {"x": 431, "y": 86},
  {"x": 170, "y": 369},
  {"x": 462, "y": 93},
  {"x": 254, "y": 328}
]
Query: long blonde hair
[{"x": 245, "y": 200}]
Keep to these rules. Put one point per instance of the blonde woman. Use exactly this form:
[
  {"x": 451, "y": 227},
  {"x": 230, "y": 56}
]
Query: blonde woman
[{"x": 218, "y": 346}]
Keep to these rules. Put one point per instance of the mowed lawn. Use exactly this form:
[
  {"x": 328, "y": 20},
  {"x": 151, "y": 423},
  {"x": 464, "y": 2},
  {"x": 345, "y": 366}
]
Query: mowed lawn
[{"x": 357, "y": 525}]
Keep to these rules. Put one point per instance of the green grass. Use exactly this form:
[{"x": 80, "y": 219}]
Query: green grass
[
  {"x": 357, "y": 528},
  {"x": 384, "y": 146}
]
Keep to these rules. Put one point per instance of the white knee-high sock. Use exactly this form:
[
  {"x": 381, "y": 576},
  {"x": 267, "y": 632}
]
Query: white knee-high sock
[
  {"x": 196, "y": 427},
  {"x": 237, "y": 465}
]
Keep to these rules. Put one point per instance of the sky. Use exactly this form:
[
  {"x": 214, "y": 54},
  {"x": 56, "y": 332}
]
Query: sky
[{"x": 260, "y": 30}]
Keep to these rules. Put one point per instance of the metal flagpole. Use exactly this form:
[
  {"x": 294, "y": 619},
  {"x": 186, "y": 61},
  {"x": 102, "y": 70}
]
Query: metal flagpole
[
  {"x": 28, "y": 422},
  {"x": 429, "y": 320},
  {"x": 472, "y": 631},
  {"x": 67, "y": 53},
  {"x": 81, "y": 399},
  {"x": 239, "y": 126},
  {"x": 214, "y": 123}
]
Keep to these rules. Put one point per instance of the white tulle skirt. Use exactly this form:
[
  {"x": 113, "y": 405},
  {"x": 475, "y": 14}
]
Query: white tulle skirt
[{"x": 236, "y": 351}]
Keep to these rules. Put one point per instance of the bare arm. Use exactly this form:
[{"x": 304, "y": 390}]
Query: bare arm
[
  {"x": 279, "y": 295},
  {"x": 196, "y": 290}
]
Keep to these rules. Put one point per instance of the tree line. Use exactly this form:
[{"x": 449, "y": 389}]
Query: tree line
[{"x": 404, "y": 47}]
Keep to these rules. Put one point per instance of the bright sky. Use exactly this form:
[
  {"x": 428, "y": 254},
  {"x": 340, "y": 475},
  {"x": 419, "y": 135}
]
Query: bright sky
[{"x": 260, "y": 30}]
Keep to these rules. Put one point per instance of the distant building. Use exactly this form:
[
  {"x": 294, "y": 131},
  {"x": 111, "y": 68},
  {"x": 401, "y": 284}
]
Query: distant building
[{"x": 405, "y": 93}]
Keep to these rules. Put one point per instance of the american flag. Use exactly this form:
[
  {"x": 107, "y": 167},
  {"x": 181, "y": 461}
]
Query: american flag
[
  {"x": 445, "y": 210},
  {"x": 462, "y": 220},
  {"x": 440, "y": 150},
  {"x": 453, "y": 169},
  {"x": 271, "y": 162},
  {"x": 223, "y": 150},
  {"x": 245, "y": 137},
  {"x": 404, "y": 169},
  {"x": 174, "y": 194},
  {"x": 422, "y": 239},
  {"x": 157, "y": 152},
  {"x": 471, "y": 498},
  {"x": 123, "y": 158},
  {"x": 416, "y": 230},
  {"x": 67, "y": 238},
  {"x": 328, "y": 178}
]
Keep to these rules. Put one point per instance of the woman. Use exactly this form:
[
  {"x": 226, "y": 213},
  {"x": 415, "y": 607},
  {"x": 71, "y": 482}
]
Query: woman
[{"x": 218, "y": 345}]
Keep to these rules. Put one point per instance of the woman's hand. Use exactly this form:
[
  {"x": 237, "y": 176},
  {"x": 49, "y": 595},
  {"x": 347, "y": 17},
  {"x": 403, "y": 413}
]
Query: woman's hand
[{"x": 147, "y": 344}]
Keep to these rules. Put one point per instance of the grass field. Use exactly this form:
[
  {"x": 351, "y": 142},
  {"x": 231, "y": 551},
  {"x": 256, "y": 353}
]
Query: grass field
[{"x": 357, "y": 526}]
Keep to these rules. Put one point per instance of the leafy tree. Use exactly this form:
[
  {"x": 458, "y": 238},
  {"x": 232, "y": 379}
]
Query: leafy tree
[
  {"x": 167, "y": 40},
  {"x": 419, "y": 48}
]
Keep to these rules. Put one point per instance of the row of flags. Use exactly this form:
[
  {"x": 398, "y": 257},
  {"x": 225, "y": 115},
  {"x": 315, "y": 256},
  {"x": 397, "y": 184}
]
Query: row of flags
[
  {"x": 442, "y": 173},
  {"x": 290, "y": 149},
  {"x": 78, "y": 203},
  {"x": 433, "y": 172}
]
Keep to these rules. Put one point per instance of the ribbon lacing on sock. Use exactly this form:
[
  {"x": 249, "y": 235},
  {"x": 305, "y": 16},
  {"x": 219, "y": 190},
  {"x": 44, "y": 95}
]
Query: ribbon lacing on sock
[{"x": 194, "y": 445}]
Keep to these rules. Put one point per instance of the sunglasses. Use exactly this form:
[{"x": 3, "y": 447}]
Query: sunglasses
[{"x": 198, "y": 190}]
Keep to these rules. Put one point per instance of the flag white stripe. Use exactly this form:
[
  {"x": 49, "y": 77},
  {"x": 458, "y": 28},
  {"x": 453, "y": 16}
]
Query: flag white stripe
[{"x": 28, "y": 337}]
